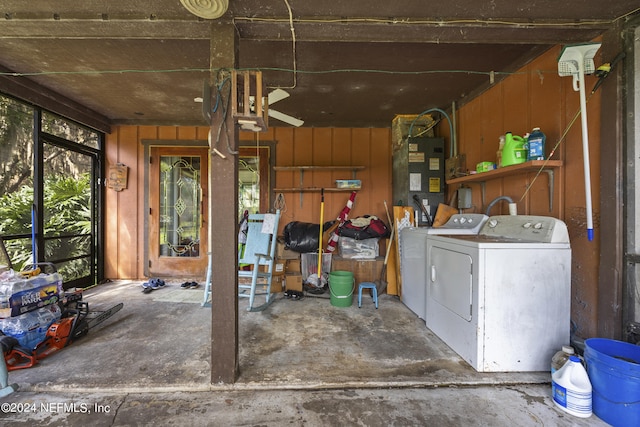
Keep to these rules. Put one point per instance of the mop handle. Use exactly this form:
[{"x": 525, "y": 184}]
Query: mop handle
[
  {"x": 320, "y": 238},
  {"x": 585, "y": 152}
]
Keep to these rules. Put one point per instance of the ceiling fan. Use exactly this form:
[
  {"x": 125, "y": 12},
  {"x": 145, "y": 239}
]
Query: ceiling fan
[{"x": 273, "y": 97}]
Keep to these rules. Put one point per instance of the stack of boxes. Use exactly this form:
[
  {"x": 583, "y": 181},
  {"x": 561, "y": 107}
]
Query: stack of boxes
[{"x": 289, "y": 262}]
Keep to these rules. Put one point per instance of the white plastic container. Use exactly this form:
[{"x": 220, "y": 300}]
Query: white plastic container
[
  {"x": 561, "y": 358},
  {"x": 572, "y": 390}
]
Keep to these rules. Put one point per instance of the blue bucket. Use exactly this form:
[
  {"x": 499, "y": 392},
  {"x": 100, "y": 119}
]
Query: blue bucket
[{"x": 614, "y": 371}]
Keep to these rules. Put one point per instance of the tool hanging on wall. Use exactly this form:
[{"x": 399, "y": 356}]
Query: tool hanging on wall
[
  {"x": 576, "y": 61},
  {"x": 603, "y": 71}
]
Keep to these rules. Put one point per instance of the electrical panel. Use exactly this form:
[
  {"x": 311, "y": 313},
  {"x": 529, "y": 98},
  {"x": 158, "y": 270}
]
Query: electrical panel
[{"x": 418, "y": 173}]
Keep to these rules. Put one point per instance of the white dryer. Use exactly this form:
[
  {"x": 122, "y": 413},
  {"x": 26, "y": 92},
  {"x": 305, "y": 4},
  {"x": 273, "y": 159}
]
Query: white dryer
[
  {"x": 413, "y": 256},
  {"x": 502, "y": 299}
]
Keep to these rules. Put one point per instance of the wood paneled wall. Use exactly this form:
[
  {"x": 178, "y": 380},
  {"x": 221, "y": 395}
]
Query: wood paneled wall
[
  {"x": 125, "y": 217},
  {"x": 366, "y": 147},
  {"x": 371, "y": 148},
  {"x": 535, "y": 96}
]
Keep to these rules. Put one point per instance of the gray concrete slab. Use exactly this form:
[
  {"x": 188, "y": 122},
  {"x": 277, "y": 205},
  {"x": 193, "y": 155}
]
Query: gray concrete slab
[
  {"x": 496, "y": 406},
  {"x": 302, "y": 362}
]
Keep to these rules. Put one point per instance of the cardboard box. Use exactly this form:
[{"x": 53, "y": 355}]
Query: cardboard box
[
  {"x": 293, "y": 282},
  {"x": 283, "y": 253},
  {"x": 277, "y": 284},
  {"x": 293, "y": 266},
  {"x": 278, "y": 268}
]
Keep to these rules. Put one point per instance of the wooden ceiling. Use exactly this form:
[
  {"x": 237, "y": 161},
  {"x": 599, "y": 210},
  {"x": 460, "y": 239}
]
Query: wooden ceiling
[{"x": 354, "y": 63}]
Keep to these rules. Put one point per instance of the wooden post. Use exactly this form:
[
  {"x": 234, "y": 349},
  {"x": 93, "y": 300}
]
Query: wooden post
[{"x": 223, "y": 201}]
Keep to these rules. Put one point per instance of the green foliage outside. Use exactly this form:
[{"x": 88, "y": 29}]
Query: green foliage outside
[{"x": 67, "y": 212}]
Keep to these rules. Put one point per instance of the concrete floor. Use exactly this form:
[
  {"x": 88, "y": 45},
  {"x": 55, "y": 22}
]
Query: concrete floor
[{"x": 302, "y": 362}]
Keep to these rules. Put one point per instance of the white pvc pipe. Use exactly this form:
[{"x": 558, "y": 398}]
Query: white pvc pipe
[{"x": 585, "y": 150}]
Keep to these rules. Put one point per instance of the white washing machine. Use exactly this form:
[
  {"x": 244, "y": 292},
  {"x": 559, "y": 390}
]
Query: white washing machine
[
  {"x": 502, "y": 299},
  {"x": 413, "y": 256}
]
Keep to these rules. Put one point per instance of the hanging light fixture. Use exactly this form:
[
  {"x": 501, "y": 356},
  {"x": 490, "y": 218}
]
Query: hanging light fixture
[{"x": 207, "y": 9}]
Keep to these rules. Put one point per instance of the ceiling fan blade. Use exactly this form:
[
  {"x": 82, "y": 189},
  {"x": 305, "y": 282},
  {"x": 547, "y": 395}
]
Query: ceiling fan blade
[
  {"x": 285, "y": 118},
  {"x": 277, "y": 95}
]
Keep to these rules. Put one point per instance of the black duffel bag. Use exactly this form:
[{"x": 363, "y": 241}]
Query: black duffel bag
[{"x": 364, "y": 227}]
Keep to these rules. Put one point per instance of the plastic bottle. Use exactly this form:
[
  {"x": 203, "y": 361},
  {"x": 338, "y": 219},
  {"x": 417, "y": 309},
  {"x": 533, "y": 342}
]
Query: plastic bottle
[
  {"x": 571, "y": 389},
  {"x": 535, "y": 143},
  {"x": 11, "y": 284},
  {"x": 19, "y": 294},
  {"x": 499, "y": 152},
  {"x": 513, "y": 152},
  {"x": 31, "y": 328},
  {"x": 561, "y": 357}
]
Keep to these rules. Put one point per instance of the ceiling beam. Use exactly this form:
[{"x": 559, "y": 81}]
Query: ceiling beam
[
  {"x": 309, "y": 30},
  {"x": 40, "y": 96},
  {"x": 368, "y": 32},
  {"x": 112, "y": 29}
]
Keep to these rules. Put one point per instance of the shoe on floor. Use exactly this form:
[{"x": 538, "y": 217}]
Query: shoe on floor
[
  {"x": 194, "y": 285},
  {"x": 156, "y": 283}
]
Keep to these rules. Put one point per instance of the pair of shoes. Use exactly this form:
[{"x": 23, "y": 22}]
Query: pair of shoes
[
  {"x": 191, "y": 285},
  {"x": 294, "y": 295},
  {"x": 156, "y": 283},
  {"x": 152, "y": 284}
]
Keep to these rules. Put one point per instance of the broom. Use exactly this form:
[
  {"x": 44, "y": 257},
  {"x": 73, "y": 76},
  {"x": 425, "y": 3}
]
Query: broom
[{"x": 320, "y": 239}]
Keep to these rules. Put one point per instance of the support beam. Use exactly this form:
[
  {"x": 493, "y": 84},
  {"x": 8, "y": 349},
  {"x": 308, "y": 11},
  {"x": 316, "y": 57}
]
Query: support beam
[
  {"x": 223, "y": 207},
  {"x": 609, "y": 312}
]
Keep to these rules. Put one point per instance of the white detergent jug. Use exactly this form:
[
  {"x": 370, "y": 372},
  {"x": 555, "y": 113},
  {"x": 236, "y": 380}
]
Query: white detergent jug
[{"x": 571, "y": 388}]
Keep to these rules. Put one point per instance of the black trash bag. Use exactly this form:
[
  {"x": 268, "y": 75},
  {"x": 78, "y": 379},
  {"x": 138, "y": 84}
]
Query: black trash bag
[{"x": 302, "y": 237}]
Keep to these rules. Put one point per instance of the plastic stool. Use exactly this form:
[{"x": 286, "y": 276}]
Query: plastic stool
[{"x": 374, "y": 292}]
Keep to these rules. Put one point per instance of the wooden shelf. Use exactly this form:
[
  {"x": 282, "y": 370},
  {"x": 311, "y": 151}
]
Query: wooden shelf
[
  {"x": 526, "y": 167},
  {"x": 314, "y": 190},
  {"x": 546, "y": 166},
  {"x": 302, "y": 189},
  {"x": 304, "y": 168}
]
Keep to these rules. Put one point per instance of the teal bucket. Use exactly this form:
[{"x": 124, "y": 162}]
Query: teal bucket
[
  {"x": 341, "y": 286},
  {"x": 614, "y": 371}
]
